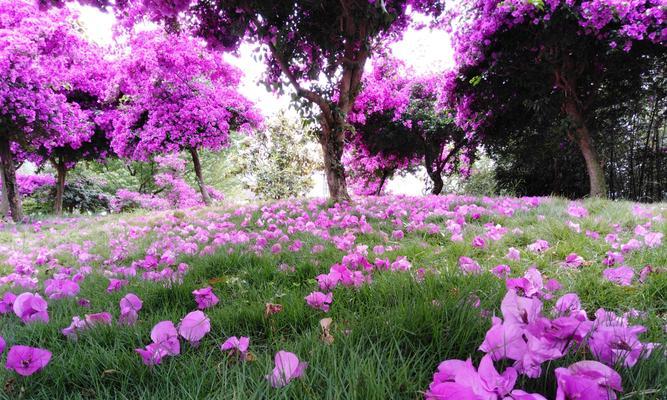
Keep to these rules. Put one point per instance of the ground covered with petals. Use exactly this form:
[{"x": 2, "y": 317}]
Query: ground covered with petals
[{"x": 388, "y": 298}]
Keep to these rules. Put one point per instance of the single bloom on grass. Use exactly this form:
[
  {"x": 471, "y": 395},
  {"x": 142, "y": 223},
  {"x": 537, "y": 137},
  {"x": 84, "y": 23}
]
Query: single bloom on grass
[
  {"x": 205, "y": 298},
  {"x": 25, "y": 360},
  {"x": 194, "y": 326},
  {"x": 129, "y": 309},
  {"x": 469, "y": 266},
  {"x": 287, "y": 367},
  {"x": 31, "y": 307},
  {"x": 7, "y": 303},
  {"x": 319, "y": 300},
  {"x": 2, "y": 345},
  {"x": 621, "y": 276},
  {"x": 235, "y": 345}
]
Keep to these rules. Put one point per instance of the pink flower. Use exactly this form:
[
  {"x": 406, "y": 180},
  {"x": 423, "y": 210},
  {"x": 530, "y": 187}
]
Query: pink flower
[
  {"x": 501, "y": 270},
  {"x": 613, "y": 258},
  {"x": 513, "y": 254},
  {"x": 236, "y": 345},
  {"x": 103, "y": 318},
  {"x": 60, "y": 288},
  {"x": 469, "y": 266},
  {"x": 7, "y": 303},
  {"x": 653, "y": 239},
  {"x": 621, "y": 275},
  {"x": 398, "y": 235},
  {"x": 75, "y": 327},
  {"x": 573, "y": 260},
  {"x": 328, "y": 281},
  {"x": 31, "y": 307},
  {"x": 194, "y": 326},
  {"x": 613, "y": 340},
  {"x": 587, "y": 380},
  {"x": 276, "y": 248},
  {"x": 25, "y": 360},
  {"x": 577, "y": 211},
  {"x": 458, "y": 379},
  {"x": 478, "y": 242},
  {"x": 205, "y": 298},
  {"x": 401, "y": 264},
  {"x": 2, "y": 345},
  {"x": 539, "y": 246},
  {"x": 116, "y": 284},
  {"x": 287, "y": 367},
  {"x": 319, "y": 300},
  {"x": 165, "y": 343},
  {"x": 129, "y": 309}
]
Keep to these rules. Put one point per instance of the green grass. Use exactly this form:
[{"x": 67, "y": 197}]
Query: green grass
[{"x": 389, "y": 335}]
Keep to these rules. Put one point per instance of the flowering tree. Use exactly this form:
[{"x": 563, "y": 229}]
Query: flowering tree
[
  {"x": 398, "y": 124},
  {"x": 37, "y": 53},
  {"x": 176, "y": 95},
  {"x": 524, "y": 64},
  {"x": 318, "y": 47}
]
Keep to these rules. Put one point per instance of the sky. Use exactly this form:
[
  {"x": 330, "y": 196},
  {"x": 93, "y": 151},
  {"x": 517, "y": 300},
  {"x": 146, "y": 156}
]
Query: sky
[{"x": 424, "y": 50}]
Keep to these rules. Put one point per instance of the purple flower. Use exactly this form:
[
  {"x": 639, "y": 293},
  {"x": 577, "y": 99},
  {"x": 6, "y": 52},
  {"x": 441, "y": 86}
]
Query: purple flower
[
  {"x": 319, "y": 300},
  {"x": 116, "y": 284},
  {"x": 236, "y": 345},
  {"x": 287, "y": 367},
  {"x": 103, "y": 318},
  {"x": 25, "y": 360},
  {"x": 478, "y": 242},
  {"x": 620, "y": 276},
  {"x": 205, "y": 298},
  {"x": 613, "y": 340},
  {"x": 2, "y": 345},
  {"x": 501, "y": 270},
  {"x": 587, "y": 380},
  {"x": 7, "y": 303},
  {"x": 194, "y": 326},
  {"x": 31, "y": 307},
  {"x": 469, "y": 266},
  {"x": 539, "y": 246},
  {"x": 129, "y": 309},
  {"x": 513, "y": 254},
  {"x": 165, "y": 343},
  {"x": 60, "y": 288},
  {"x": 573, "y": 260}
]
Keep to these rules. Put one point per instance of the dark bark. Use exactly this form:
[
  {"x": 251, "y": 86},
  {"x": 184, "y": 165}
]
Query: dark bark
[
  {"x": 61, "y": 171},
  {"x": 383, "y": 180},
  {"x": 332, "y": 141},
  {"x": 200, "y": 177},
  {"x": 4, "y": 203},
  {"x": 9, "y": 178},
  {"x": 582, "y": 138}
]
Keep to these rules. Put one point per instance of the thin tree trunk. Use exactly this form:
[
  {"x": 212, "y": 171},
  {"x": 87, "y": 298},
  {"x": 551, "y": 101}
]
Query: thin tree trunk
[
  {"x": 332, "y": 140},
  {"x": 9, "y": 179},
  {"x": 4, "y": 202},
  {"x": 61, "y": 171},
  {"x": 582, "y": 137},
  {"x": 383, "y": 180},
  {"x": 200, "y": 177}
]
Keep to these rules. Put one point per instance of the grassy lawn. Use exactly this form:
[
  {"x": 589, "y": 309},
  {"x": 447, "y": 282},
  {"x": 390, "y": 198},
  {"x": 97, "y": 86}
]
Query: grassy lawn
[{"x": 390, "y": 334}]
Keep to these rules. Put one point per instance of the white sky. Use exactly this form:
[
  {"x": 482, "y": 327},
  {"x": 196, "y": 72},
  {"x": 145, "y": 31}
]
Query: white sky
[{"x": 424, "y": 50}]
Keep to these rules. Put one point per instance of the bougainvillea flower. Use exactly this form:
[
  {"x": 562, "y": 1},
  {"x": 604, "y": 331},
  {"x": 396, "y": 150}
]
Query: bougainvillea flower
[
  {"x": 568, "y": 304},
  {"x": 520, "y": 310},
  {"x": 129, "y": 309},
  {"x": 587, "y": 380},
  {"x": 531, "y": 284},
  {"x": 458, "y": 379},
  {"x": 573, "y": 260},
  {"x": 60, "y": 288},
  {"x": 7, "y": 303},
  {"x": 31, "y": 307},
  {"x": 152, "y": 354},
  {"x": 513, "y": 254},
  {"x": 25, "y": 360},
  {"x": 613, "y": 340},
  {"x": 653, "y": 239},
  {"x": 164, "y": 334},
  {"x": 194, "y": 326},
  {"x": 2, "y": 345},
  {"x": 621, "y": 276},
  {"x": 287, "y": 367},
  {"x": 469, "y": 266},
  {"x": 478, "y": 242},
  {"x": 501, "y": 270},
  {"x": 236, "y": 345},
  {"x": 539, "y": 246},
  {"x": 103, "y": 318},
  {"x": 319, "y": 300},
  {"x": 521, "y": 395},
  {"x": 116, "y": 284},
  {"x": 577, "y": 210},
  {"x": 74, "y": 328},
  {"x": 205, "y": 298}
]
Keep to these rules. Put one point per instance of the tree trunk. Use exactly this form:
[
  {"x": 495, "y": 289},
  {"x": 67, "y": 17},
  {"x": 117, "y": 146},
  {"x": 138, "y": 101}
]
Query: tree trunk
[
  {"x": 583, "y": 139},
  {"x": 61, "y": 171},
  {"x": 332, "y": 140},
  {"x": 200, "y": 177},
  {"x": 383, "y": 180},
  {"x": 4, "y": 202},
  {"x": 9, "y": 179}
]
